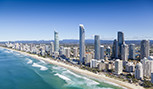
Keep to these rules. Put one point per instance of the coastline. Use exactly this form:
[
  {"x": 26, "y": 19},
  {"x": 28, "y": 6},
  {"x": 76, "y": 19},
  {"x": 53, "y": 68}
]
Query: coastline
[{"x": 99, "y": 77}]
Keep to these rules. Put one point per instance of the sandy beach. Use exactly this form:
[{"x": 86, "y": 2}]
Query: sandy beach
[{"x": 100, "y": 77}]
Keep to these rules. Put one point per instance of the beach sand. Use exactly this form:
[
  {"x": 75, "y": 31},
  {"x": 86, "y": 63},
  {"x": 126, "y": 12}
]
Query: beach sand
[{"x": 101, "y": 77}]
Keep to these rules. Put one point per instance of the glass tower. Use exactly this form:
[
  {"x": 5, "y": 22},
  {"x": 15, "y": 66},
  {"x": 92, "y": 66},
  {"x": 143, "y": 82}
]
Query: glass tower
[
  {"x": 97, "y": 47},
  {"x": 56, "y": 42},
  {"x": 82, "y": 43}
]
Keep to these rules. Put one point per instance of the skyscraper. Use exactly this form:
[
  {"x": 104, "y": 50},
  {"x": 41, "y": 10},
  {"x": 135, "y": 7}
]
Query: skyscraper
[
  {"x": 75, "y": 51},
  {"x": 124, "y": 52},
  {"x": 120, "y": 43},
  {"x": 82, "y": 43},
  {"x": 97, "y": 47},
  {"x": 115, "y": 49},
  {"x": 132, "y": 51},
  {"x": 151, "y": 77},
  {"x": 102, "y": 52},
  {"x": 51, "y": 48},
  {"x": 56, "y": 42},
  {"x": 145, "y": 48}
]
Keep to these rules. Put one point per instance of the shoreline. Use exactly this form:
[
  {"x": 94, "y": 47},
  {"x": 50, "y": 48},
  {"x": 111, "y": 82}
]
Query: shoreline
[{"x": 99, "y": 77}]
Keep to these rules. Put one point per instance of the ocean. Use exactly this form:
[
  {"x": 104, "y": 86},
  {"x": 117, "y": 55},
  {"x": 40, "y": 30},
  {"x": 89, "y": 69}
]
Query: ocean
[{"x": 18, "y": 71}]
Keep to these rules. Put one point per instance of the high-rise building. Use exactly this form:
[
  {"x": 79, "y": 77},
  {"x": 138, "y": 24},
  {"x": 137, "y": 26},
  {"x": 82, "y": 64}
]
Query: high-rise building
[
  {"x": 132, "y": 51},
  {"x": 56, "y": 42},
  {"x": 97, "y": 47},
  {"x": 147, "y": 67},
  {"x": 51, "y": 48},
  {"x": 82, "y": 43},
  {"x": 94, "y": 63},
  {"x": 115, "y": 49},
  {"x": 145, "y": 48},
  {"x": 151, "y": 77},
  {"x": 130, "y": 67},
  {"x": 139, "y": 71},
  {"x": 102, "y": 52},
  {"x": 88, "y": 58},
  {"x": 118, "y": 66},
  {"x": 75, "y": 51},
  {"x": 61, "y": 51},
  {"x": 67, "y": 51},
  {"x": 124, "y": 52},
  {"x": 120, "y": 43}
]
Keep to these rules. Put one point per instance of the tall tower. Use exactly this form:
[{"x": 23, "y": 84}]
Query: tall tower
[
  {"x": 102, "y": 52},
  {"x": 120, "y": 43},
  {"x": 56, "y": 42},
  {"x": 115, "y": 49},
  {"x": 145, "y": 48},
  {"x": 124, "y": 52},
  {"x": 97, "y": 47},
  {"x": 51, "y": 48},
  {"x": 132, "y": 51},
  {"x": 82, "y": 43}
]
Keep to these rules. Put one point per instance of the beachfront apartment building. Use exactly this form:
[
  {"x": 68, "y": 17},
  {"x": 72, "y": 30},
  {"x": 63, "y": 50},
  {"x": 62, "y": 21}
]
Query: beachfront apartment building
[
  {"x": 147, "y": 67},
  {"x": 118, "y": 66},
  {"x": 139, "y": 71}
]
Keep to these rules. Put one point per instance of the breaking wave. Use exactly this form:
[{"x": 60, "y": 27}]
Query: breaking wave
[
  {"x": 29, "y": 61},
  {"x": 62, "y": 77},
  {"x": 40, "y": 66}
]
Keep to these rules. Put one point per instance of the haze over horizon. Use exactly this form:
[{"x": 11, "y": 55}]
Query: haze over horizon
[{"x": 37, "y": 19}]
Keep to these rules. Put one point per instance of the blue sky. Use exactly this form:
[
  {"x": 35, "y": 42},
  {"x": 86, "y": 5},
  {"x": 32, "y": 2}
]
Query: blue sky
[{"x": 37, "y": 19}]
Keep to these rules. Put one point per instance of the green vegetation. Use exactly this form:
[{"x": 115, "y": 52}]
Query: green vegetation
[
  {"x": 132, "y": 77},
  {"x": 95, "y": 70},
  {"x": 147, "y": 84}
]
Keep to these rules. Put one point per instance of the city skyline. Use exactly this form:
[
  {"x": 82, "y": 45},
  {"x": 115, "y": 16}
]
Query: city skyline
[{"x": 31, "y": 20}]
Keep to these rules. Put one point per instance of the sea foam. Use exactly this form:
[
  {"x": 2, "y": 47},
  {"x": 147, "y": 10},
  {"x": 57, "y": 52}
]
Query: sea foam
[
  {"x": 29, "y": 61},
  {"x": 42, "y": 61},
  {"x": 87, "y": 80},
  {"x": 6, "y": 51},
  {"x": 58, "y": 68},
  {"x": 62, "y": 77},
  {"x": 40, "y": 66}
]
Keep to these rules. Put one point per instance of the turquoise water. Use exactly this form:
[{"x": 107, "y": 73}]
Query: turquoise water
[{"x": 19, "y": 71}]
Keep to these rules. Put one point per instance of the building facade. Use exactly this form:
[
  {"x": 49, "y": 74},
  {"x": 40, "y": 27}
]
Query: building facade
[
  {"x": 82, "y": 43},
  {"x": 102, "y": 49},
  {"x": 139, "y": 71},
  {"x": 56, "y": 42},
  {"x": 120, "y": 43},
  {"x": 145, "y": 48},
  {"x": 132, "y": 51},
  {"x": 118, "y": 66},
  {"x": 115, "y": 49},
  {"x": 124, "y": 52},
  {"x": 97, "y": 47}
]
